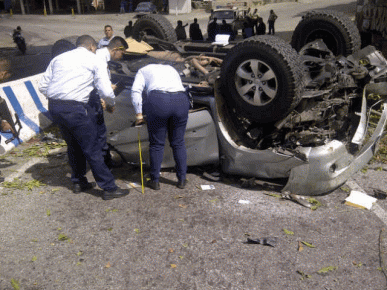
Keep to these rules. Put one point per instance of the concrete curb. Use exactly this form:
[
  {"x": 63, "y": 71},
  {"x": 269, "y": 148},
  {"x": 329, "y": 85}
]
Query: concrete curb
[{"x": 24, "y": 99}]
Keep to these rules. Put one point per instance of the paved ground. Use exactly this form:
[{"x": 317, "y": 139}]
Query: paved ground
[{"x": 51, "y": 238}]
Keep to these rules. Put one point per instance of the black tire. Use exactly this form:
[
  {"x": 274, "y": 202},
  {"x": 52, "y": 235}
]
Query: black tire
[
  {"x": 269, "y": 94},
  {"x": 337, "y": 31},
  {"x": 154, "y": 25},
  {"x": 63, "y": 45}
]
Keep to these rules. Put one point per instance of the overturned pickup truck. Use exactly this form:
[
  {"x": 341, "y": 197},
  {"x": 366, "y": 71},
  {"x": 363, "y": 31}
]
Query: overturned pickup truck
[{"x": 262, "y": 109}]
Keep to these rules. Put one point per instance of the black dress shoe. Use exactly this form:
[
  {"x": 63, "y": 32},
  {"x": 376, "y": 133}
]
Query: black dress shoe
[
  {"x": 81, "y": 187},
  {"x": 181, "y": 184},
  {"x": 115, "y": 193},
  {"x": 155, "y": 185}
]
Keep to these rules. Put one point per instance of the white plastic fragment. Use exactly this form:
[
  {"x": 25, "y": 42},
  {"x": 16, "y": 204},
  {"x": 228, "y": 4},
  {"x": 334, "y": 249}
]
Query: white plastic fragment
[
  {"x": 242, "y": 201},
  {"x": 360, "y": 199},
  {"x": 207, "y": 187}
]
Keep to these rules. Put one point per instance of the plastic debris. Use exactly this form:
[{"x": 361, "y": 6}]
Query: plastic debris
[
  {"x": 268, "y": 241},
  {"x": 360, "y": 200},
  {"x": 242, "y": 201},
  {"x": 207, "y": 187}
]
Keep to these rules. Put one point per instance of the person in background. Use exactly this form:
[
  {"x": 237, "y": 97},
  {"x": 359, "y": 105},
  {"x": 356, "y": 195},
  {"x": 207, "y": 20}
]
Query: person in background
[
  {"x": 128, "y": 31},
  {"x": 67, "y": 83},
  {"x": 166, "y": 106},
  {"x": 180, "y": 30},
  {"x": 115, "y": 52},
  {"x": 272, "y": 18},
  {"x": 260, "y": 28},
  {"x": 109, "y": 34},
  {"x": 213, "y": 29},
  {"x": 195, "y": 33}
]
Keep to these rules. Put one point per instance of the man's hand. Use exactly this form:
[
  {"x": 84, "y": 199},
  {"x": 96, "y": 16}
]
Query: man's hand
[
  {"x": 114, "y": 87},
  {"x": 110, "y": 109},
  {"x": 139, "y": 120},
  {"x": 103, "y": 103}
]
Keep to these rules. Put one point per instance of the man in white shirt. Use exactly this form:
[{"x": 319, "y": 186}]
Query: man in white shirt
[
  {"x": 166, "y": 107},
  {"x": 67, "y": 83},
  {"x": 109, "y": 34},
  {"x": 113, "y": 52}
]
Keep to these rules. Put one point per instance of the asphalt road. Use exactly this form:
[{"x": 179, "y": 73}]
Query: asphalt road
[{"x": 51, "y": 238}]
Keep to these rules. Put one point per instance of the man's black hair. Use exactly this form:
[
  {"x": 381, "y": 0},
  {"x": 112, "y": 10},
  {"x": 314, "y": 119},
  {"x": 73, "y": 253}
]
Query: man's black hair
[
  {"x": 117, "y": 41},
  {"x": 85, "y": 41}
]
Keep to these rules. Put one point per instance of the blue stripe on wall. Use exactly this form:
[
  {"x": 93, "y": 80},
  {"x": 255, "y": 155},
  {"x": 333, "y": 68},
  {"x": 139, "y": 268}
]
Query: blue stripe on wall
[
  {"x": 9, "y": 136},
  {"x": 36, "y": 99},
  {"x": 18, "y": 110}
]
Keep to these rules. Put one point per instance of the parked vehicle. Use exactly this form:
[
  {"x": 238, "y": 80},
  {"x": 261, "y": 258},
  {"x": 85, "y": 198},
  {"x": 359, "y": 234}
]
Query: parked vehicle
[
  {"x": 146, "y": 7},
  {"x": 262, "y": 109}
]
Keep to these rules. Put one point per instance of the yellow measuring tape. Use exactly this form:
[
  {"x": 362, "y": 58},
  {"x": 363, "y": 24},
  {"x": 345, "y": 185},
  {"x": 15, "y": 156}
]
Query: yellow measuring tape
[{"x": 139, "y": 150}]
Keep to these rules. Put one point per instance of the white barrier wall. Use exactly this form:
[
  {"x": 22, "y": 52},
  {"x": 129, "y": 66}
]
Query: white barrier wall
[{"x": 24, "y": 99}]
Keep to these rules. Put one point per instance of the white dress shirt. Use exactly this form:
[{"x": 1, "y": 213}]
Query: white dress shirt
[
  {"x": 103, "y": 54},
  {"x": 154, "y": 77},
  {"x": 74, "y": 74}
]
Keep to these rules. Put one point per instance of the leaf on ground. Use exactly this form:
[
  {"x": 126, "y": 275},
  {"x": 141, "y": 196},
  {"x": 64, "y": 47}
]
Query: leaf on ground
[
  {"x": 173, "y": 266},
  {"x": 15, "y": 284},
  {"x": 55, "y": 190},
  {"x": 300, "y": 247},
  {"x": 290, "y": 233},
  {"x": 110, "y": 229},
  {"x": 315, "y": 203},
  {"x": 78, "y": 263},
  {"x": 214, "y": 200},
  {"x": 182, "y": 205},
  {"x": 357, "y": 264},
  {"x": 62, "y": 237},
  {"x": 345, "y": 188},
  {"x": 108, "y": 265},
  {"x": 185, "y": 245},
  {"x": 364, "y": 169},
  {"x": 308, "y": 244},
  {"x": 34, "y": 258},
  {"x": 181, "y": 257},
  {"x": 48, "y": 212},
  {"x": 170, "y": 250},
  {"x": 178, "y": 196},
  {"x": 137, "y": 231},
  {"x": 80, "y": 253},
  {"x": 327, "y": 269}
]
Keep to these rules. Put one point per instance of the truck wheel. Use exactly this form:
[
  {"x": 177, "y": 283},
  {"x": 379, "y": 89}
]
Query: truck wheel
[
  {"x": 262, "y": 78},
  {"x": 337, "y": 31},
  {"x": 63, "y": 45},
  {"x": 154, "y": 25}
]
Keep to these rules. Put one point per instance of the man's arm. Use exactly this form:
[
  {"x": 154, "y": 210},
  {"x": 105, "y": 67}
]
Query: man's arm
[
  {"x": 45, "y": 80},
  {"x": 103, "y": 83}
]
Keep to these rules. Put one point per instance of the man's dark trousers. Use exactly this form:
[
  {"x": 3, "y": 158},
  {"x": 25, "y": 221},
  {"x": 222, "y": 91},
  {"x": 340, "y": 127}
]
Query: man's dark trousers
[
  {"x": 75, "y": 119},
  {"x": 167, "y": 112},
  {"x": 95, "y": 103}
]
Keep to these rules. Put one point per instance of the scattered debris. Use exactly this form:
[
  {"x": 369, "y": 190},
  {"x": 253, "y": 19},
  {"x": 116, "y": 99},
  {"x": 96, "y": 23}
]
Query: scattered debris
[
  {"x": 311, "y": 203},
  {"x": 379, "y": 194},
  {"x": 300, "y": 246},
  {"x": 207, "y": 187},
  {"x": 213, "y": 176},
  {"x": 327, "y": 269},
  {"x": 360, "y": 200},
  {"x": 242, "y": 201},
  {"x": 308, "y": 244},
  {"x": 290, "y": 233},
  {"x": 268, "y": 241},
  {"x": 303, "y": 275}
]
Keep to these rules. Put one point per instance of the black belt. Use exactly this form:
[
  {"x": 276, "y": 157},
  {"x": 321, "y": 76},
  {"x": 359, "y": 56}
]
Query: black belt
[
  {"x": 67, "y": 102},
  {"x": 166, "y": 92}
]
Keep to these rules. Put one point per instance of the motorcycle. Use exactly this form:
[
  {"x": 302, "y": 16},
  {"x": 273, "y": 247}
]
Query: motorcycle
[{"x": 19, "y": 40}]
